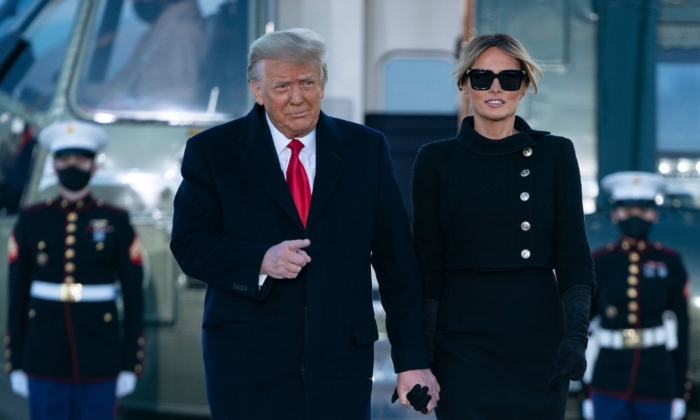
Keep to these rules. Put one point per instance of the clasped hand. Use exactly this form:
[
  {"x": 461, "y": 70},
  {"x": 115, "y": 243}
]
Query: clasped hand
[
  {"x": 285, "y": 260},
  {"x": 418, "y": 389}
]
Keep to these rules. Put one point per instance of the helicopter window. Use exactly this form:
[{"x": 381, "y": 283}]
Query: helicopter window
[
  {"x": 152, "y": 59},
  {"x": 432, "y": 87},
  {"x": 35, "y": 37}
]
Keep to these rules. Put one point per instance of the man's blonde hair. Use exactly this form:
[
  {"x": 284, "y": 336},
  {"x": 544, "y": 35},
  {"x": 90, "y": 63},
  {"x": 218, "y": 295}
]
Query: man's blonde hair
[{"x": 506, "y": 43}]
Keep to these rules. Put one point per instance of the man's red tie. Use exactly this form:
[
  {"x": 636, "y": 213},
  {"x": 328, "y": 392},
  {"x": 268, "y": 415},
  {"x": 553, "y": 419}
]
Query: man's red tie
[{"x": 298, "y": 181}]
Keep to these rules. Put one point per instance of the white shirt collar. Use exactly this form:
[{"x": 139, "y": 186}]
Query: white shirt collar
[{"x": 281, "y": 141}]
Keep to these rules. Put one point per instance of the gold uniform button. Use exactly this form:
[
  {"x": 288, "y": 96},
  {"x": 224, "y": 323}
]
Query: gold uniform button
[
  {"x": 41, "y": 245},
  {"x": 72, "y": 217},
  {"x": 625, "y": 246},
  {"x": 108, "y": 317},
  {"x": 100, "y": 246},
  {"x": 70, "y": 240},
  {"x": 64, "y": 203},
  {"x": 69, "y": 280},
  {"x": 141, "y": 341},
  {"x": 632, "y": 280},
  {"x": 70, "y": 253},
  {"x": 32, "y": 313},
  {"x": 634, "y": 269},
  {"x": 632, "y": 292},
  {"x": 632, "y": 318},
  {"x": 633, "y": 306},
  {"x": 139, "y": 354},
  {"x": 641, "y": 246},
  {"x": 70, "y": 228},
  {"x": 69, "y": 267},
  {"x": 611, "y": 311},
  {"x": 634, "y": 257},
  {"x": 138, "y": 368},
  {"x": 79, "y": 204}
]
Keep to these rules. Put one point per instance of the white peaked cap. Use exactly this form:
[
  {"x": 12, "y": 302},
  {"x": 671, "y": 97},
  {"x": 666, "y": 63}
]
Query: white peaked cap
[
  {"x": 633, "y": 185},
  {"x": 73, "y": 135}
]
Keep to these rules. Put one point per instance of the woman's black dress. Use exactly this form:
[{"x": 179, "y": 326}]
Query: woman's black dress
[{"x": 493, "y": 221}]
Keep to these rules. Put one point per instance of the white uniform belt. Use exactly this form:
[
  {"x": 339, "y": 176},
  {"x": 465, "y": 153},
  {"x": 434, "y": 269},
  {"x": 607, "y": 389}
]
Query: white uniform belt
[
  {"x": 74, "y": 292},
  {"x": 632, "y": 338}
]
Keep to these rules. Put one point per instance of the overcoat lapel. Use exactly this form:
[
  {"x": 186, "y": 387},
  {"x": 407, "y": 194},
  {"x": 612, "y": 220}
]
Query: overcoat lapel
[
  {"x": 330, "y": 161},
  {"x": 261, "y": 159}
]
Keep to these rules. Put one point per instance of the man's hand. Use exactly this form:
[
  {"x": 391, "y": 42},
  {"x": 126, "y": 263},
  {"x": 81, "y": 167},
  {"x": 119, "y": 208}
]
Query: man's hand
[
  {"x": 285, "y": 261},
  {"x": 424, "y": 377}
]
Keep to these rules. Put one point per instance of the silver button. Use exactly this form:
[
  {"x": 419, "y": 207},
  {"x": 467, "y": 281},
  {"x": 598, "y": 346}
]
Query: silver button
[
  {"x": 525, "y": 173},
  {"x": 525, "y": 226},
  {"x": 527, "y": 152},
  {"x": 524, "y": 196},
  {"x": 525, "y": 253}
]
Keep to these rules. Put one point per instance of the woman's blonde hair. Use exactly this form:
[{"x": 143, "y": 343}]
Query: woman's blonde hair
[{"x": 506, "y": 43}]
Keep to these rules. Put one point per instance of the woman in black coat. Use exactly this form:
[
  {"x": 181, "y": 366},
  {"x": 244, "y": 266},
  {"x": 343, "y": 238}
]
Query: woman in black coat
[{"x": 499, "y": 232}]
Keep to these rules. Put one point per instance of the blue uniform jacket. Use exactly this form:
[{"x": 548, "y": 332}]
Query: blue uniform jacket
[
  {"x": 303, "y": 345},
  {"x": 636, "y": 284},
  {"x": 88, "y": 242}
]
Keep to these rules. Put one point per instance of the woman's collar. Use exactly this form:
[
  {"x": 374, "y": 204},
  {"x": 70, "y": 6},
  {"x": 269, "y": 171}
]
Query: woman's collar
[{"x": 477, "y": 143}]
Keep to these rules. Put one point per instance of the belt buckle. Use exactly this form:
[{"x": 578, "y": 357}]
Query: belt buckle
[
  {"x": 631, "y": 338},
  {"x": 71, "y": 292}
]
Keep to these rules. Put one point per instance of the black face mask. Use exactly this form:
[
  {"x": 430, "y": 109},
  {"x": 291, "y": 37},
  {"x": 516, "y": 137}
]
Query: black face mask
[
  {"x": 148, "y": 10},
  {"x": 635, "y": 227},
  {"x": 73, "y": 178}
]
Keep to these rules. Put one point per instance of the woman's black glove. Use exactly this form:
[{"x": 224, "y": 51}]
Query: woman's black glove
[
  {"x": 430, "y": 313},
  {"x": 571, "y": 357},
  {"x": 418, "y": 397}
]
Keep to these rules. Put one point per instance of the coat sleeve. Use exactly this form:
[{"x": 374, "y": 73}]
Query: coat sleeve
[
  {"x": 19, "y": 258},
  {"x": 398, "y": 275},
  {"x": 198, "y": 242},
  {"x": 130, "y": 274},
  {"x": 678, "y": 303},
  {"x": 573, "y": 263},
  {"x": 428, "y": 238}
]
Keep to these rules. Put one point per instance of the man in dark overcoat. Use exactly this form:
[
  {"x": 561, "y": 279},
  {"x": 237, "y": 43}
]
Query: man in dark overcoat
[{"x": 281, "y": 213}]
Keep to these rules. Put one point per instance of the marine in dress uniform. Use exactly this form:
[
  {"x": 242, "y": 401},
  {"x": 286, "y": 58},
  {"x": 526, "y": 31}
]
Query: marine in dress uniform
[
  {"x": 641, "y": 370},
  {"x": 66, "y": 349}
]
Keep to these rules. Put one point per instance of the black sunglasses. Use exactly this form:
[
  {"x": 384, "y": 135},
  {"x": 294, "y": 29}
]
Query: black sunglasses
[{"x": 481, "y": 79}]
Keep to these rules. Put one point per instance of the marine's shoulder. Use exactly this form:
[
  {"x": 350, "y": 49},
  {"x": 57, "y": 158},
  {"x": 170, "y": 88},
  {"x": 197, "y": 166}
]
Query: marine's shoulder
[
  {"x": 103, "y": 206},
  {"x": 608, "y": 249},
  {"x": 664, "y": 250},
  {"x": 38, "y": 207}
]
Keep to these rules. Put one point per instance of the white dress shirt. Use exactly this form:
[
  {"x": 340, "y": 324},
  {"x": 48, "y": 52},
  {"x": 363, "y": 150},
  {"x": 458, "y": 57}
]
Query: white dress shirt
[{"x": 307, "y": 156}]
